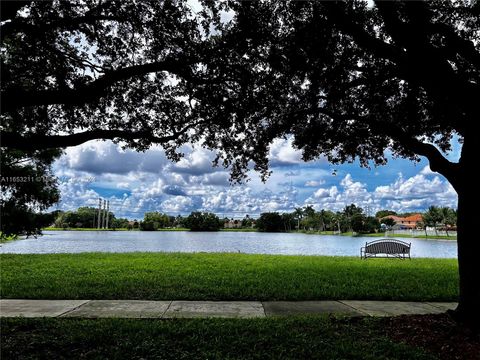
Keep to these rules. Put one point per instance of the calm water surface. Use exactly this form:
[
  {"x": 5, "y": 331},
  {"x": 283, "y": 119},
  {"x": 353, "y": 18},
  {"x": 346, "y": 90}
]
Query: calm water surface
[{"x": 185, "y": 241}]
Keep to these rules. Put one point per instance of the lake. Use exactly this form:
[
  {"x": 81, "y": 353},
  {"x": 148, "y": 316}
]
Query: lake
[{"x": 185, "y": 241}]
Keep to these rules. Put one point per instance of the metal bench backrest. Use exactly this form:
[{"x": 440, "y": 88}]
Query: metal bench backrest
[{"x": 387, "y": 247}]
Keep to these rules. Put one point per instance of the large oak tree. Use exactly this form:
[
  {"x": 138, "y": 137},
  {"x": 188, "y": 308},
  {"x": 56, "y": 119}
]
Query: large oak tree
[
  {"x": 346, "y": 80},
  {"x": 350, "y": 81}
]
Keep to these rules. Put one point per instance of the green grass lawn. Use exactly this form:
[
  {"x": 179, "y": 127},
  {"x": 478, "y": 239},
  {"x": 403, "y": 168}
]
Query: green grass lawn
[
  {"x": 272, "y": 338},
  {"x": 205, "y": 276}
]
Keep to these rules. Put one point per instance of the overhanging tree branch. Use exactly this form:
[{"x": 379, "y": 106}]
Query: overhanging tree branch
[
  {"x": 16, "y": 98},
  {"x": 364, "y": 39},
  {"x": 424, "y": 62},
  {"x": 420, "y": 65},
  {"x": 463, "y": 47},
  {"x": 10, "y": 8},
  {"x": 21, "y": 25},
  {"x": 437, "y": 161},
  {"x": 40, "y": 142}
]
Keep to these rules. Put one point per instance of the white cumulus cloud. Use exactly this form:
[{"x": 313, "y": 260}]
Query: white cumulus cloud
[
  {"x": 314, "y": 183},
  {"x": 139, "y": 182},
  {"x": 282, "y": 153}
]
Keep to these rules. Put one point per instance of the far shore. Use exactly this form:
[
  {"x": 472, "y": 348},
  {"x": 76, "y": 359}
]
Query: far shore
[{"x": 307, "y": 232}]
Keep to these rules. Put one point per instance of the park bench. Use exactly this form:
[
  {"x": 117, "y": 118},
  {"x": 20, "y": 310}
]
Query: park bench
[{"x": 386, "y": 248}]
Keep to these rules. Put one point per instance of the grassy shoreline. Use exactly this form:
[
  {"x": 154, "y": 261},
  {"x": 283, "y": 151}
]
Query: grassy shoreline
[
  {"x": 239, "y": 230},
  {"x": 406, "y": 236},
  {"x": 349, "y": 233},
  {"x": 429, "y": 237},
  {"x": 207, "y": 276},
  {"x": 111, "y": 229},
  {"x": 6, "y": 239}
]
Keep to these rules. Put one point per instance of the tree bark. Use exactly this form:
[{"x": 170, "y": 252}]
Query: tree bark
[
  {"x": 468, "y": 265},
  {"x": 468, "y": 309},
  {"x": 462, "y": 177}
]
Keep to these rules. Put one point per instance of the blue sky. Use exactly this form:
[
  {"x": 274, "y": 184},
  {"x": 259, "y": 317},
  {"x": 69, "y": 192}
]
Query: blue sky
[{"x": 138, "y": 182}]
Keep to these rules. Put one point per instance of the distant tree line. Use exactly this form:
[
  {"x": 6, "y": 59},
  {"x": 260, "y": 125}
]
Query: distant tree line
[
  {"x": 351, "y": 219},
  {"x": 87, "y": 217},
  {"x": 196, "y": 221}
]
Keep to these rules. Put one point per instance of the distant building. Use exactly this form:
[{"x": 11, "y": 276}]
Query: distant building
[
  {"x": 232, "y": 224},
  {"x": 237, "y": 224},
  {"x": 132, "y": 224},
  {"x": 405, "y": 223}
]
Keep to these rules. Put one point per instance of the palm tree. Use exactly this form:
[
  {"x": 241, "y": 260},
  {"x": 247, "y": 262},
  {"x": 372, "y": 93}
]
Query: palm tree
[
  {"x": 448, "y": 217},
  {"x": 337, "y": 218},
  {"x": 308, "y": 211},
  {"x": 321, "y": 215},
  {"x": 432, "y": 217},
  {"x": 298, "y": 213},
  {"x": 423, "y": 225}
]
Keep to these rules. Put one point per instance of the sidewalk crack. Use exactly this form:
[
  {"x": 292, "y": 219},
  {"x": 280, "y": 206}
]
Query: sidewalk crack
[
  {"x": 354, "y": 308},
  {"x": 75, "y": 308},
  {"x": 168, "y": 307}
]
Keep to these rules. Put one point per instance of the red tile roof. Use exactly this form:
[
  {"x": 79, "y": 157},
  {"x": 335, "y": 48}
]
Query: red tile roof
[
  {"x": 411, "y": 220},
  {"x": 393, "y": 217},
  {"x": 414, "y": 218}
]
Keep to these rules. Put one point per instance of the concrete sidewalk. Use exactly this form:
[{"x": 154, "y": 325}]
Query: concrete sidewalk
[{"x": 205, "y": 309}]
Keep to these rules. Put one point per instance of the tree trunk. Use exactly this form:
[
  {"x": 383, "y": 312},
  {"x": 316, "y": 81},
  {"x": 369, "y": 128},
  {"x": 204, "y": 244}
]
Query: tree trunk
[
  {"x": 462, "y": 177},
  {"x": 468, "y": 309}
]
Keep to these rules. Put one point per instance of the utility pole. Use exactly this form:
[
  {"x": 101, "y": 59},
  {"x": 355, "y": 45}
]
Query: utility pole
[
  {"x": 99, "y": 213},
  {"x": 94, "y": 216},
  {"x": 108, "y": 208},
  {"x": 104, "y": 220},
  {"x": 368, "y": 210}
]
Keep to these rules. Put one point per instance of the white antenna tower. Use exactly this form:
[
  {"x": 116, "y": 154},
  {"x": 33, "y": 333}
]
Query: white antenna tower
[
  {"x": 99, "y": 213},
  {"x": 104, "y": 220},
  {"x": 107, "y": 214}
]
